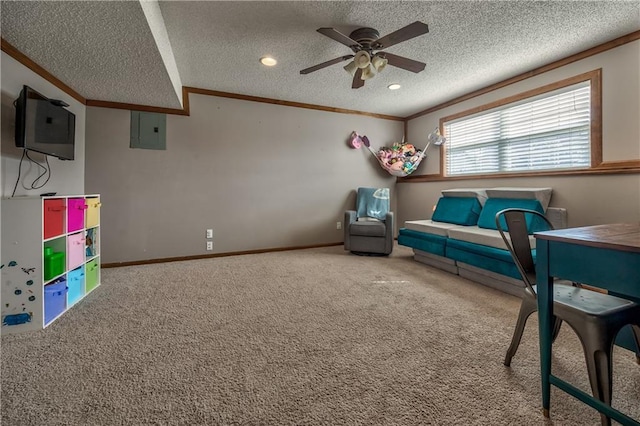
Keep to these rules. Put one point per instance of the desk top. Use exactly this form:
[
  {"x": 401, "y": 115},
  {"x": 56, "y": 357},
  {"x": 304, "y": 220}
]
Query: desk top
[{"x": 616, "y": 236}]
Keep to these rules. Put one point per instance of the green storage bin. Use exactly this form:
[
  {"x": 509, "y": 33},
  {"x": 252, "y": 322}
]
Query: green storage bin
[
  {"x": 54, "y": 263},
  {"x": 92, "y": 270}
]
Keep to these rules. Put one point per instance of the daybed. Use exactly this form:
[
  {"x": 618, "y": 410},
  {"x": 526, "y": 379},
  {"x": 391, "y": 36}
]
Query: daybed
[{"x": 461, "y": 236}]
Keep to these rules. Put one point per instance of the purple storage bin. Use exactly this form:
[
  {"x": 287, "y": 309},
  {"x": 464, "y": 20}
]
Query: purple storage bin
[{"x": 55, "y": 299}]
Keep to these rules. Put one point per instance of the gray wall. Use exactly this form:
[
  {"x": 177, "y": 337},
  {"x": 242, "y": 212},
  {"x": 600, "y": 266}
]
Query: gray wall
[
  {"x": 590, "y": 200},
  {"x": 261, "y": 175},
  {"x": 268, "y": 176},
  {"x": 67, "y": 177}
]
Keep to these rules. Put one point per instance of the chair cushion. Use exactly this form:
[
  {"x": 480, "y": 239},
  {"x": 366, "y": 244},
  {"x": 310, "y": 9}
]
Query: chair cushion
[
  {"x": 485, "y": 257},
  {"x": 477, "y": 249},
  {"x": 422, "y": 241},
  {"x": 482, "y": 236},
  {"x": 591, "y": 302},
  {"x": 487, "y": 217},
  {"x": 479, "y": 193},
  {"x": 458, "y": 210},
  {"x": 541, "y": 194},
  {"x": 372, "y": 202},
  {"x": 368, "y": 228},
  {"x": 430, "y": 227}
]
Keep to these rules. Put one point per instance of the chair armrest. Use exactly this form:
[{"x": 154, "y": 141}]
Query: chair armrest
[
  {"x": 349, "y": 218},
  {"x": 389, "y": 232},
  {"x": 388, "y": 221},
  {"x": 557, "y": 216}
]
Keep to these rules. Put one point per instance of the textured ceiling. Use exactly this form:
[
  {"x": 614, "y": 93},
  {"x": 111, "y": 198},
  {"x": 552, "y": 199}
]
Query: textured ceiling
[
  {"x": 102, "y": 50},
  {"x": 106, "y": 50}
]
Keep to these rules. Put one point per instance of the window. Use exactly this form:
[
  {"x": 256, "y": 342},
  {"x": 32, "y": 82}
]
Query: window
[{"x": 551, "y": 128}]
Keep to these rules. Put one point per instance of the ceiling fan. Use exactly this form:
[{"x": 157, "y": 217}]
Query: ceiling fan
[{"x": 368, "y": 57}]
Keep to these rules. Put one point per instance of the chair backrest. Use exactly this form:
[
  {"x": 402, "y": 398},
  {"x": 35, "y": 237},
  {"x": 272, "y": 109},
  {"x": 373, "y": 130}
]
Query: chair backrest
[
  {"x": 372, "y": 202},
  {"x": 518, "y": 241}
]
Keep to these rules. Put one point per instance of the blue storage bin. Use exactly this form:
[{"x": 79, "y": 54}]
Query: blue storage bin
[
  {"x": 75, "y": 285},
  {"x": 55, "y": 299}
]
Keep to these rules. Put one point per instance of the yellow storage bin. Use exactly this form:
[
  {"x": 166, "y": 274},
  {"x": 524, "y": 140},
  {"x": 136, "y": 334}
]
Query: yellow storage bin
[{"x": 93, "y": 212}]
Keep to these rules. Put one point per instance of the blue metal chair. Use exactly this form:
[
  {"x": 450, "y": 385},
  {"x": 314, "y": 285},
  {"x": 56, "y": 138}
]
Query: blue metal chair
[{"x": 595, "y": 317}]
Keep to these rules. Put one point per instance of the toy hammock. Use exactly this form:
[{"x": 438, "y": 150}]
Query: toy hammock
[{"x": 403, "y": 158}]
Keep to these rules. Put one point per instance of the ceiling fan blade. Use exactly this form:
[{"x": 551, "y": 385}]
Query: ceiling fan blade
[
  {"x": 358, "y": 82},
  {"x": 325, "y": 64},
  {"x": 405, "y": 33},
  {"x": 404, "y": 63},
  {"x": 338, "y": 36}
]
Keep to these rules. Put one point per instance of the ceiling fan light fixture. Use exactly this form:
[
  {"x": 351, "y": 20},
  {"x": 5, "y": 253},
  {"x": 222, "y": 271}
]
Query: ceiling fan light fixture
[
  {"x": 362, "y": 59},
  {"x": 268, "y": 61},
  {"x": 363, "y": 42},
  {"x": 351, "y": 68},
  {"x": 379, "y": 63},
  {"x": 368, "y": 72},
  {"x": 394, "y": 86}
]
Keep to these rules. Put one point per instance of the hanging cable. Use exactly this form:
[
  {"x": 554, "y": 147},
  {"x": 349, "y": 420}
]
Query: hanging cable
[
  {"x": 45, "y": 171},
  {"x": 19, "y": 171}
]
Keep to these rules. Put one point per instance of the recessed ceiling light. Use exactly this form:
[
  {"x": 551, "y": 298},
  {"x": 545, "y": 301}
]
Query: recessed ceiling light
[
  {"x": 268, "y": 61},
  {"x": 394, "y": 86}
]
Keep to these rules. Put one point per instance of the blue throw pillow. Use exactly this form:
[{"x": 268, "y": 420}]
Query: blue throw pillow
[
  {"x": 492, "y": 206},
  {"x": 457, "y": 210}
]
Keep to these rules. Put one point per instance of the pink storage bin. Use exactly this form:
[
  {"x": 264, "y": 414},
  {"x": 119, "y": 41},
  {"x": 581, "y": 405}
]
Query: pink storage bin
[
  {"x": 75, "y": 214},
  {"x": 75, "y": 250}
]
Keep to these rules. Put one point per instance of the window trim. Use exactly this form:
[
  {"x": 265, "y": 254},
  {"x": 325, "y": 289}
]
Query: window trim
[{"x": 595, "y": 80}]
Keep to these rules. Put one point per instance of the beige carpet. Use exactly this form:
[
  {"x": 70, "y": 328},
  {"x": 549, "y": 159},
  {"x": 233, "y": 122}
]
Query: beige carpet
[{"x": 310, "y": 337}]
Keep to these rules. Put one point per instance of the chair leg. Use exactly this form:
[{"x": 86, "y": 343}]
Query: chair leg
[
  {"x": 636, "y": 335},
  {"x": 597, "y": 351},
  {"x": 526, "y": 309},
  {"x": 557, "y": 323}
]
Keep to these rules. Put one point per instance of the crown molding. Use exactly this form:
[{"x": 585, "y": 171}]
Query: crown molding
[
  {"x": 612, "y": 44},
  {"x": 10, "y": 50},
  {"x": 186, "y": 90}
]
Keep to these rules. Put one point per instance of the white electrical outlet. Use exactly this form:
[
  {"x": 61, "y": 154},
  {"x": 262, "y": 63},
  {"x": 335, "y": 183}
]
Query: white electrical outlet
[
  {"x": 209, "y": 233},
  {"x": 338, "y": 225},
  {"x": 209, "y": 245}
]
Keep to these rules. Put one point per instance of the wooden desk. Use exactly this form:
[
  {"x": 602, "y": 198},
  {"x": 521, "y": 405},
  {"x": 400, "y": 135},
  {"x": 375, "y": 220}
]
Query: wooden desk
[{"x": 606, "y": 256}]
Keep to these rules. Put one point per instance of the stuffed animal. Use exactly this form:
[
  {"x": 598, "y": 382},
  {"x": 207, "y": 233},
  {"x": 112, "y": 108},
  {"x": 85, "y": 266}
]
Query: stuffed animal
[
  {"x": 397, "y": 165},
  {"x": 385, "y": 154},
  {"x": 355, "y": 141}
]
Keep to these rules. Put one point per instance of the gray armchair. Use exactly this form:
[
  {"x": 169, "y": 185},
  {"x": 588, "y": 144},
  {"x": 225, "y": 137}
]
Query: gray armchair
[{"x": 369, "y": 229}]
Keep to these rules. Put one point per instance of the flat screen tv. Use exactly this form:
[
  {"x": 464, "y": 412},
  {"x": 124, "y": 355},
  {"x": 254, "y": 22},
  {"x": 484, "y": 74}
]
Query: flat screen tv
[{"x": 44, "y": 125}]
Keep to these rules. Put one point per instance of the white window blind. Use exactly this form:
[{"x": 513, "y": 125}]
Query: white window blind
[{"x": 550, "y": 131}]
